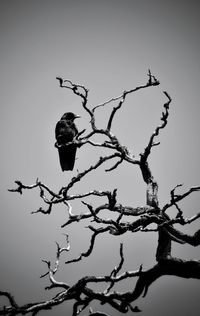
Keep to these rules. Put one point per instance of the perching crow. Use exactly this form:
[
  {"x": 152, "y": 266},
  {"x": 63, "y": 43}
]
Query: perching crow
[{"x": 65, "y": 132}]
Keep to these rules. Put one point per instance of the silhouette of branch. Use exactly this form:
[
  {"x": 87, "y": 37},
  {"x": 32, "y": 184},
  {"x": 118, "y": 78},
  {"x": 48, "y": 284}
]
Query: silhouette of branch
[
  {"x": 152, "y": 82},
  {"x": 115, "y": 165},
  {"x": 10, "y": 298},
  {"x": 116, "y": 269},
  {"x": 193, "y": 240},
  {"x": 22, "y": 187},
  {"x": 175, "y": 198},
  {"x": 82, "y": 174},
  {"x": 92, "y": 241},
  {"x": 164, "y": 118},
  {"x": 77, "y": 89},
  {"x": 176, "y": 267},
  {"x": 114, "y": 110},
  {"x": 52, "y": 271},
  {"x": 147, "y": 176},
  {"x": 152, "y": 185},
  {"x": 79, "y": 217},
  {"x": 39, "y": 184}
]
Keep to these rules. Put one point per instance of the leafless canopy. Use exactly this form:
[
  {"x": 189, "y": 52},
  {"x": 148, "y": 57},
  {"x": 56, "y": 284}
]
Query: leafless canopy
[{"x": 141, "y": 218}]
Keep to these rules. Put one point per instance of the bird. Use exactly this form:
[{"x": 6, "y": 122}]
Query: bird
[{"x": 65, "y": 132}]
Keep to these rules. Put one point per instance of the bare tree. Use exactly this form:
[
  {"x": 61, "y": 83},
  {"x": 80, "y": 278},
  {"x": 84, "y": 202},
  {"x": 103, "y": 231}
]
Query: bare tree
[{"x": 81, "y": 292}]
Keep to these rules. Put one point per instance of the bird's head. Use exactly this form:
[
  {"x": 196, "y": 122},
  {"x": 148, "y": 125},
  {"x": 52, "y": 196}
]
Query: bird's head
[{"x": 69, "y": 116}]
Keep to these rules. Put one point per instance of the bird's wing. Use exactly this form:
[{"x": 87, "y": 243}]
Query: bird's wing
[{"x": 63, "y": 132}]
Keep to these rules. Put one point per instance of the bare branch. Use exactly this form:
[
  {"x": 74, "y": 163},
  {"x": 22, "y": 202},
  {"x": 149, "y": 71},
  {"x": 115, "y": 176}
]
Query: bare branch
[
  {"x": 116, "y": 269},
  {"x": 21, "y": 186},
  {"x": 77, "y": 218},
  {"x": 81, "y": 91},
  {"x": 193, "y": 240},
  {"x": 115, "y": 165},
  {"x": 52, "y": 271},
  {"x": 10, "y": 298},
  {"x": 164, "y": 118},
  {"x": 115, "y": 110},
  {"x": 39, "y": 184},
  {"x": 152, "y": 82},
  {"x": 82, "y": 174},
  {"x": 41, "y": 210},
  {"x": 92, "y": 241},
  {"x": 178, "y": 197}
]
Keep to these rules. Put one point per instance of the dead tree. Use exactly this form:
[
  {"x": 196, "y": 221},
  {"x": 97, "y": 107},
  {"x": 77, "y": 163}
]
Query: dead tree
[{"x": 140, "y": 219}]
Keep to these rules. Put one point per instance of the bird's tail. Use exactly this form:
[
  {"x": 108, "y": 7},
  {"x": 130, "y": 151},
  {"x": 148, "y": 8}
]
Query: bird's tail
[{"x": 67, "y": 157}]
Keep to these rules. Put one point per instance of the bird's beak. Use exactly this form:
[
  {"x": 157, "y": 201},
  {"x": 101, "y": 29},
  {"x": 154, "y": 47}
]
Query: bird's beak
[{"x": 77, "y": 116}]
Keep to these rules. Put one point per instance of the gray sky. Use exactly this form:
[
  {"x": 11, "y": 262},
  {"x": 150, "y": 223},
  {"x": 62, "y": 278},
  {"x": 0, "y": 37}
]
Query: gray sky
[{"x": 107, "y": 46}]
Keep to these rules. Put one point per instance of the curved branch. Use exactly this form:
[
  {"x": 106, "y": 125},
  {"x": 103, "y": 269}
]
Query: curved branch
[
  {"x": 164, "y": 118},
  {"x": 175, "y": 198},
  {"x": 151, "y": 82},
  {"x": 92, "y": 241},
  {"x": 176, "y": 267},
  {"x": 82, "y": 174}
]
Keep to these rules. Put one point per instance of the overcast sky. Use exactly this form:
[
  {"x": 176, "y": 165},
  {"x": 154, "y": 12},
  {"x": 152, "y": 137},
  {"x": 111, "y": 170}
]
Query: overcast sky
[{"x": 108, "y": 46}]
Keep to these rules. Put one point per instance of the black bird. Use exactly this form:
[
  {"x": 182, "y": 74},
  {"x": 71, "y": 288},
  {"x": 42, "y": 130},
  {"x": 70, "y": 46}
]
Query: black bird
[{"x": 65, "y": 132}]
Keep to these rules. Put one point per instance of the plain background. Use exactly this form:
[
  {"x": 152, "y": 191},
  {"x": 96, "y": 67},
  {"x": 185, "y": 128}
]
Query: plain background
[{"x": 108, "y": 46}]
